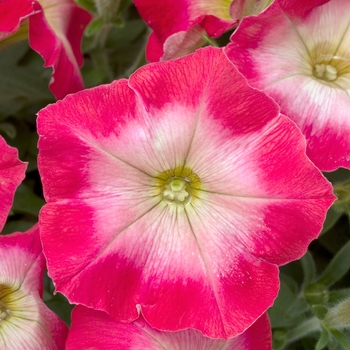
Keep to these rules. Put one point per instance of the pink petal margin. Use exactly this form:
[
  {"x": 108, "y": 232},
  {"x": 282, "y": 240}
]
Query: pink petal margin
[
  {"x": 111, "y": 245},
  {"x": 22, "y": 264},
  {"x": 93, "y": 329},
  {"x": 55, "y": 32},
  {"x": 12, "y": 172},
  {"x": 12, "y": 12}
]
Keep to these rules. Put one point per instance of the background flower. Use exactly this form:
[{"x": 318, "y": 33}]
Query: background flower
[
  {"x": 25, "y": 321},
  {"x": 302, "y": 60},
  {"x": 91, "y": 328},
  {"x": 176, "y": 193}
]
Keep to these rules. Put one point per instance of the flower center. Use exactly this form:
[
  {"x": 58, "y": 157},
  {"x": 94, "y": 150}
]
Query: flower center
[
  {"x": 177, "y": 190},
  {"x": 325, "y": 72},
  {"x": 5, "y": 312},
  {"x": 179, "y": 186},
  {"x": 6, "y": 293}
]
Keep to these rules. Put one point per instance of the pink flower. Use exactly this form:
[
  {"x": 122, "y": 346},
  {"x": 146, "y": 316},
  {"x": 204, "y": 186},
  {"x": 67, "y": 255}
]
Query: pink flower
[
  {"x": 179, "y": 26},
  {"x": 25, "y": 321},
  {"x": 12, "y": 172},
  {"x": 176, "y": 193},
  {"x": 302, "y": 60},
  {"x": 55, "y": 32},
  {"x": 95, "y": 329}
]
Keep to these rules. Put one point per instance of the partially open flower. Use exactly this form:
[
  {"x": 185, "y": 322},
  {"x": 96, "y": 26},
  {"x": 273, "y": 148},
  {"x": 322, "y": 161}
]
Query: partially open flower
[
  {"x": 177, "y": 193},
  {"x": 25, "y": 321},
  {"x": 93, "y": 329},
  {"x": 11, "y": 175},
  {"x": 302, "y": 60}
]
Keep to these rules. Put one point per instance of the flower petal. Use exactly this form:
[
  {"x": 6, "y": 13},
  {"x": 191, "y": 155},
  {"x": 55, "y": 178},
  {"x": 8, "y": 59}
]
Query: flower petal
[
  {"x": 11, "y": 175},
  {"x": 91, "y": 328}
]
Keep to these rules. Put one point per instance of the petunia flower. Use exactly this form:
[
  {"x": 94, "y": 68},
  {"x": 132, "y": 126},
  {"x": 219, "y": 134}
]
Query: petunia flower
[
  {"x": 25, "y": 321},
  {"x": 176, "y": 193},
  {"x": 302, "y": 60},
  {"x": 12, "y": 172},
  {"x": 96, "y": 330},
  {"x": 55, "y": 32}
]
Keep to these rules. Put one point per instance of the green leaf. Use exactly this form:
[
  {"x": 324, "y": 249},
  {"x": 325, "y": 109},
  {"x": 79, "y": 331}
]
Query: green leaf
[
  {"x": 341, "y": 338},
  {"x": 320, "y": 311},
  {"x": 87, "y": 4},
  {"x": 17, "y": 226},
  {"x": 298, "y": 307},
  {"x": 94, "y": 26},
  {"x": 23, "y": 80},
  {"x": 337, "y": 176},
  {"x": 8, "y": 129},
  {"x": 331, "y": 219},
  {"x": 58, "y": 303},
  {"x": 323, "y": 340},
  {"x": 337, "y": 268},
  {"x": 26, "y": 201},
  {"x": 279, "y": 339},
  {"x": 309, "y": 268},
  {"x": 339, "y": 295},
  {"x": 286, "y": 297},
  {"x": 60, "y": 306}
]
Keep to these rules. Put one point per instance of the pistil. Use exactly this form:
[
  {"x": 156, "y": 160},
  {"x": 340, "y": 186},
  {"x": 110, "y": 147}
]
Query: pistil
[
  {"x": 177, "y": 191},
  {"x": 5, "y": 312}
]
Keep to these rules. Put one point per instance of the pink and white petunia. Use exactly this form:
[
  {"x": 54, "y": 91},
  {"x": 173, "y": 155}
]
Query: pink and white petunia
[
  {"x": 12, "y": 172},
  {"x": 25, "y": 321},
  {"x": 179, "y": 26},
  {"x": 176, "y": 193},
  {"x": 93, "y": 329},
  {"x": 302, "y": 60},
  {"x": 12, "y": 12},
  {"x": 55, "y": 32}
]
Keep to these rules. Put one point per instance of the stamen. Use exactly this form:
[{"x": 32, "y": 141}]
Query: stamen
[
  {"x": 325, "y": 72},
  {"x": 177, "y": 191},
  {"x": 4, "y": 312}
]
